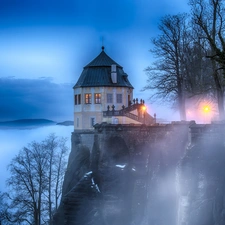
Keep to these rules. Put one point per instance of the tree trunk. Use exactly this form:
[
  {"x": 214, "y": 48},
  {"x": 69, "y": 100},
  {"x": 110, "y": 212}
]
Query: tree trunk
[
  {"x": 219, "y": 89},
  {"x": 50, "y": 186},
  {"x": 219, "y": 93},
  {"x": 181, "y": 97},
  {"x": 182, "y": 109},
  {"x": 220, "y": 100},
  {"x": 39, "y": 207}
]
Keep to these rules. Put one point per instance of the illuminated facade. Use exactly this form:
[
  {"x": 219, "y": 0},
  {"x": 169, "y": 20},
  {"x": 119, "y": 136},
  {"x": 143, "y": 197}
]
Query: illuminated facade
[{"x": 103, "y": 93}]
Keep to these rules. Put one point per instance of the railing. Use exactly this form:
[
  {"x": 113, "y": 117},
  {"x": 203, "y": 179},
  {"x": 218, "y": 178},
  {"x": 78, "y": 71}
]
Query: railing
[
  {"x": 113, "y": 113},
  {"x": 125, "y": 112},
  {"x": 132, "y": 107},
  {"x": 142, "y": 116},
  {"x": 134, "y": 117}
]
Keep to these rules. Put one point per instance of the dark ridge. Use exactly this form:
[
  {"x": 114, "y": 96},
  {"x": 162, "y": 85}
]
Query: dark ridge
[
  {"x": 66, "y": 123},
  {"x": 27, "y": 122}
]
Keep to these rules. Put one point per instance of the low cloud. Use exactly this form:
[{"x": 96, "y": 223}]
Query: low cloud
[{"x": 35, "y": 98}]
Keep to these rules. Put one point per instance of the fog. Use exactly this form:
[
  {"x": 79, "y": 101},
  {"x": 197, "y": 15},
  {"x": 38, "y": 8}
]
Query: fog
[
  {"x": 173, "y": 180},
  {"x": 134, "y": 176},
  {"x": 200, "y": 176},
  {"x": 13, "y": 140},
  {"x": 168, "y": 178}
]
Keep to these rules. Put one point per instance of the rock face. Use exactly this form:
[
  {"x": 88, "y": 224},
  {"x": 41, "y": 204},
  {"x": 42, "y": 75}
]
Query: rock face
[
  {"x": 123, "y": 175},
  {"x": 144, "y": 175},
  {"x": 201, "y": 178}
]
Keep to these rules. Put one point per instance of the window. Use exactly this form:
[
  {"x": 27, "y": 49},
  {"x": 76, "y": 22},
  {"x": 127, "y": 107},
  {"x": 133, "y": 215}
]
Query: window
[
  {"x": 129, "y": 100},
  {"x": 87, "y": 98},
  {"x": 97, "y": 98},
  {"x": 92, "y": 121},
  {"x": 109, "y": 98},
  {"x": 118, "y": 98},
  {"x": 77, "y": 99}
]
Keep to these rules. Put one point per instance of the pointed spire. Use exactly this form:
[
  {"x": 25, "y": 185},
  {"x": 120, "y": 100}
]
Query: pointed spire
[{"x": 103, "y": 48}]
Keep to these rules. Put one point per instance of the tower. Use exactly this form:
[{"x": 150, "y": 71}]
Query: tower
[{"x": 103, "y": 93}]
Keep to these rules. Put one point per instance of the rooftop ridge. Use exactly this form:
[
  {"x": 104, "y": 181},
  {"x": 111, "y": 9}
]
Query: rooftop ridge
[
  {"x": 98, "y": 73},
  {"x": 102, "y": 60}
]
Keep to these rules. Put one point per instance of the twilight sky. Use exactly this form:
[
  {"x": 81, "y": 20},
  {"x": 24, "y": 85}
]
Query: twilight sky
[{"x": 44, "y": 45}]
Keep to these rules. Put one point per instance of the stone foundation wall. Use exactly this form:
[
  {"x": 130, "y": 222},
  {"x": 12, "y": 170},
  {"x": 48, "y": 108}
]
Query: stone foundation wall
[
  {"x": 119, "y": 160},
  {"x": 127, "y": 174}
]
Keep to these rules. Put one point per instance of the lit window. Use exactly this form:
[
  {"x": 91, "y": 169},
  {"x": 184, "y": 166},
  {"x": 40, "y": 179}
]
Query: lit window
[
  {"x": 97, "y": 98},
  {"x": 109, "y": 98},
  {"x": 87, "y": 98},
  {"x": 119, "y": 98},
  {"x": 77, "y": 99}
]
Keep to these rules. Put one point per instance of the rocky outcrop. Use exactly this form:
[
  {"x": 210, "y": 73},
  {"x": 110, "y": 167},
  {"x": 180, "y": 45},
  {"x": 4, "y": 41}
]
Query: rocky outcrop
[
  {"x": 125, "y": 175},
  {"x": 201, "y": 178},
  {"x": 78, "y": 166}
]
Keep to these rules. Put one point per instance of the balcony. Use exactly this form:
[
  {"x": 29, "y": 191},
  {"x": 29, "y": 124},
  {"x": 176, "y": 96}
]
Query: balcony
[{"x": 142, "y": 117}]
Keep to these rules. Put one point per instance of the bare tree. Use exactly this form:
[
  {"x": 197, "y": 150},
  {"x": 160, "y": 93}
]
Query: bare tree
[
  {"x": 56, "y": 152},
  {"x": 3, "y": 209},
  {"x": 198, "y": 81},
  {"x": 35, "y": 182},
  {"x": 199, "y": 84},
  {"x": 209, "y": 16},
  {"x": 167, "y": 75}
]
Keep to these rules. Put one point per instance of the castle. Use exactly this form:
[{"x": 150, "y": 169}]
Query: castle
[
  {"x": 121, "y": 161},
  {"x": 103, "y": 93}
]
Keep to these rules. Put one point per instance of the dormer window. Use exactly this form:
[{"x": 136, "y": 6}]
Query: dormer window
[
  {"x": 113, "y": 73},
  {"x": 125, "y": 77}
]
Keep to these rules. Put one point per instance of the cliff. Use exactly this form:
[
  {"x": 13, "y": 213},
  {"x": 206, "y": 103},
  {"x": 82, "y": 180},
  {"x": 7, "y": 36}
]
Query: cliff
[
  {"x": 201, "y": 178},
  {"x": 144, "y": 175},
  {"x": 122, "y": 175}
]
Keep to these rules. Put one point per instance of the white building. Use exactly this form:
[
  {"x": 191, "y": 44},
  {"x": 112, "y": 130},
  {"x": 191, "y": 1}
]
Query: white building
[{"x": 103, "y": 93}]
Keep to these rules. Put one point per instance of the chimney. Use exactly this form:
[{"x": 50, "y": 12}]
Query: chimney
[{"x": 113, "y": 73}]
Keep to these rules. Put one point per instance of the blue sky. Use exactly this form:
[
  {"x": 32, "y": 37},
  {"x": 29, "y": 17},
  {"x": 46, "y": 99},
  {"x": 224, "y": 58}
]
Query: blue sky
[{"x": 45, "y": 44}]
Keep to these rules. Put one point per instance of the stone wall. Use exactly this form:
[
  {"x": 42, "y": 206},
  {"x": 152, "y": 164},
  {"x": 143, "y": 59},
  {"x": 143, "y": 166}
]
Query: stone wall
[
  {"x": 115, "y": 173},
  {"x": 137, "y": 174}
]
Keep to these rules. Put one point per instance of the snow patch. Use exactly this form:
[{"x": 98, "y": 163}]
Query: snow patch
[
  {"x": 88, "y": 173},
  {"x": 94, "y": 184},
  {"x": 121, "y": 166}
]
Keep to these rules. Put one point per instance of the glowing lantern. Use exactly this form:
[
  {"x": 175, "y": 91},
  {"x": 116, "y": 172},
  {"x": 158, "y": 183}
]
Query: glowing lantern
[
  {"x": 206, "y": 109},
  {"x": 143, "y": 108}
]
